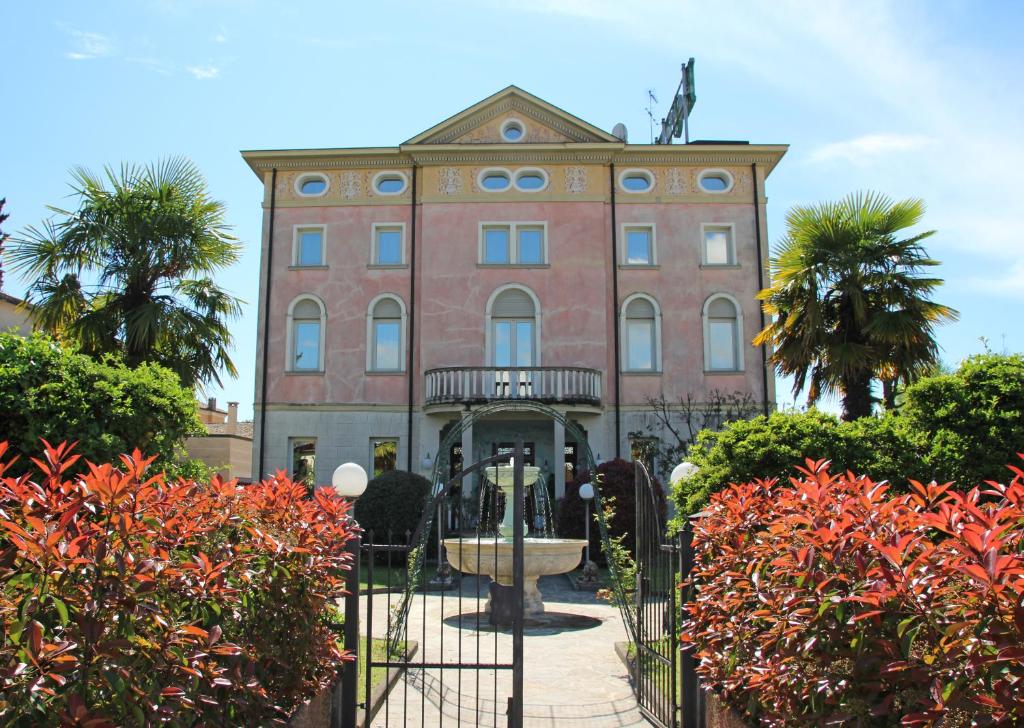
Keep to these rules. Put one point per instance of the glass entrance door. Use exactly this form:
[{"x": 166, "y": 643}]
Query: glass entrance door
[{"x": 513, "y": 348}]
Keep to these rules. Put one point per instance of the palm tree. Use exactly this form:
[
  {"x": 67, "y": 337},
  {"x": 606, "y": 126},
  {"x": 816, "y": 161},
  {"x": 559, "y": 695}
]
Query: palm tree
[
  {"x": 131, "y": 269},
  {"x": 849, "y": 301}
]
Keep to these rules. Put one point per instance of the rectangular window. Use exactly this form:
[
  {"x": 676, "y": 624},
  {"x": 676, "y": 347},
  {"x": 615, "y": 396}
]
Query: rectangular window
[
  {"x": 643, "y": 449},
  {"x": 303, "y": 460},
  {"x": 385, "y": 454},
  {"x": 387, "y": 345},
  {"x": 718, "y": 247},
  {"x": 309, "y": 246},
  {"x": 640, "y": 337},
  {"x": 513, "y": 244},
  {"x": 639, "y": 245},
  {"x": 531, "y": 245},
  {"x": 307, "y": 345},
  {"x": 496, "y": 246},
  {"x": 722, "y": 345},
  {"x": 387, "y": 245}
]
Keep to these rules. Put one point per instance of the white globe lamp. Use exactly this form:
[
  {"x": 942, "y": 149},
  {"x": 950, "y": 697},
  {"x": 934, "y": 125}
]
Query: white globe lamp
[
  {"x": 586, "y": 491},
  {"x": 349, "y": 480},
  {"x": 683, "y": 471}
]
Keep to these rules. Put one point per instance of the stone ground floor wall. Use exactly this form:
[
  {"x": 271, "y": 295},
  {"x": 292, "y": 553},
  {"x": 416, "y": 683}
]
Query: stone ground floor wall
[
  {"x": 341, "y": 436},
  {"x": 344, "y": 435}
]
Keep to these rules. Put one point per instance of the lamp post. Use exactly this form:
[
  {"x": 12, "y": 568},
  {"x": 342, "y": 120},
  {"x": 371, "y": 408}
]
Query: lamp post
[
  {"x": 683, "y": 471},
  {"x": 349, "y": 481},
  {"x": 587, "y": 494}
]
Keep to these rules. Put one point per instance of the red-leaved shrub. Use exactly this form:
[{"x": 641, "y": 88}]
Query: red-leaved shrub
[
  {"x": 128, "y": 600},
  {"x": 827, "y": 602}
]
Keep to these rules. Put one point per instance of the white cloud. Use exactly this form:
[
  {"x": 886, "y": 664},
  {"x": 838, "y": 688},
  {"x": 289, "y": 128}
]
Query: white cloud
[
  {"x": 220, "y": 36},
  {"x": 870, "y": 147},
  {"x": 203, "y": 72},
  {"x": 1008, "y": 285},
  {"x": 89, "y": 45}
]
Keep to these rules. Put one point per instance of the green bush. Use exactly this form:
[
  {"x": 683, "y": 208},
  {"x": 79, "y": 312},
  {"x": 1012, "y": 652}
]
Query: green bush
[
  {"x": 772, "y": 447},
  {"x": 393, "y": 502},
  {"x": 616, "y": 482},
  {"x": 970, "y": 423},
  {"x": 51, "y": 392}
]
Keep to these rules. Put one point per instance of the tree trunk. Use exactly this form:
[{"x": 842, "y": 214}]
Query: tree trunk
[{"x": 857, "y": 399}]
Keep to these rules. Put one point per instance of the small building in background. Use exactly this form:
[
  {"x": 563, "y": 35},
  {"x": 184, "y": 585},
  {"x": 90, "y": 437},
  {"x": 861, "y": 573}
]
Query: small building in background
[
  {"x": 15, "y": 314},
  {"x": 227, "y": 446}
]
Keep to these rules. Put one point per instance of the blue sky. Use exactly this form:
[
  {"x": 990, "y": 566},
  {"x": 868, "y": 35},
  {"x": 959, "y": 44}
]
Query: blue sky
[{"x": 909, "y": 98}]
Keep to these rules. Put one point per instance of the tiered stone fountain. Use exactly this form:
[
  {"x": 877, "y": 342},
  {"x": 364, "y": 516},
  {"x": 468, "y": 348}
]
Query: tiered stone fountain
[{"x": 492, "y": 556}]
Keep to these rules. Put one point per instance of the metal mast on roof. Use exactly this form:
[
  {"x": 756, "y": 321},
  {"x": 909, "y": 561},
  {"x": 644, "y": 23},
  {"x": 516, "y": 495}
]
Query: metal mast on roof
[{"x": 677, "y": 123}]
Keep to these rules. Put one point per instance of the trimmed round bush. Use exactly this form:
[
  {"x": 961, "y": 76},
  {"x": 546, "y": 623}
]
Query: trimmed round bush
[
  {"x": 617, "y": 481},
  {"x": 393, "y": 503}
]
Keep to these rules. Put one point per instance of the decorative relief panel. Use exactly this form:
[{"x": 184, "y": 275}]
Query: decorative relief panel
[
  {"x": 489, "y": 132},
  {"x": 449, "y": 181},
  {"x": 675, "y": 182},
  {"x": 741, "y": 182},
  {"x": 575, "y": 180},
  {"x": 351, "y": 184}
]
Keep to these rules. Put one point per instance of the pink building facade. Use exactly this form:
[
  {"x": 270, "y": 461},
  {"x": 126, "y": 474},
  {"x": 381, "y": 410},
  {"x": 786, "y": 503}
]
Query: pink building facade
[{"x": 511, "y": 252}]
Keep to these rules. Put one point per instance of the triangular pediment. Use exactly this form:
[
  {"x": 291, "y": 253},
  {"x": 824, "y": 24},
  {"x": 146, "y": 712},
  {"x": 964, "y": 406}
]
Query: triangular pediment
[{"x": 482, "y": 123}]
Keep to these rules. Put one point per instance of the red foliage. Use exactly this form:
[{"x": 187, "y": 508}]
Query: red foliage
[
  {"x": 127, "y": 600},
  {"x": 827, "y": 602}
]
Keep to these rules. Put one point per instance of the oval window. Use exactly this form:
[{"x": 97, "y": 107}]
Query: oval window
[
  {"x": 716, "y": 181},
  {"x": 531, "y": 181},
  {"x": 495, "y": 181},
  {"x": 636, "y": 181},
  {"x": 389, "y": 183},
  {"x": 512, "y": 130},
  {"x": 313, "y": 186}
]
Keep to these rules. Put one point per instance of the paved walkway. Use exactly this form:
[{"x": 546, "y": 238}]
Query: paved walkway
[{"x": 572, "y": 676}]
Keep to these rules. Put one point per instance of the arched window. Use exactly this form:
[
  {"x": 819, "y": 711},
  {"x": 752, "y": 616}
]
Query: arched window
[
  {"x": 385, "y": 334},
  {"x": 640, "y": 322},
  {"x": 306, "y": 318},
  {"x": 513, "y": 328},
  {"x": 723, "y": 327}
]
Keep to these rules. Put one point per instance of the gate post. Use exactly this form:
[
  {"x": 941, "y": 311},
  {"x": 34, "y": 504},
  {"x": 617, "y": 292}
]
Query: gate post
[
  {"x": 691, "y": 697},
  {"x": 518, "y": 563},
  {"x": 343, "y": 708}
]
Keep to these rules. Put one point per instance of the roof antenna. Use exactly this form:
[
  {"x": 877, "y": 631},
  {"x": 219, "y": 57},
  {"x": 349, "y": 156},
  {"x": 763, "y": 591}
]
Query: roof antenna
[{"x": 651, "y": 101}]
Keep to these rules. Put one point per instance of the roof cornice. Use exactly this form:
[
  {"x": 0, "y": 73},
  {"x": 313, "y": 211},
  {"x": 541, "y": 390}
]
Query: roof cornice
[{"x": 261, "y": 161}]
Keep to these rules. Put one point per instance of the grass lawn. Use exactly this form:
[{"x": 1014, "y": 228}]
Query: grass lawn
[
  {"x": 383, "y": 576},
  {"x": 377, "y": 676}
]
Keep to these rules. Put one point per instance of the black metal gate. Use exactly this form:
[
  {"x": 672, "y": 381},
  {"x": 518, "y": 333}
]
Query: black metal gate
[
  {"x": 445, "y": 656},
  {"x": 665, "y": 679}
]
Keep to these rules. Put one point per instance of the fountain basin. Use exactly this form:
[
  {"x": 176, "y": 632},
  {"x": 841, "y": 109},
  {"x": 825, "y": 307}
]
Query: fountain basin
[{"x": 493, "y": 557}]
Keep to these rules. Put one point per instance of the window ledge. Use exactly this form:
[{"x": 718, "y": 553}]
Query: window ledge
[
  {"x": 713, "y": 266},
  {"x": 640, "y": 266},
  {"x": 307, "y": 267},
  {"x": 304, "y": 373},
  {"x": 641, "y": 373},
  {"x": 513, "y": 265},
  {"x": 387, "y": 266},
  {"x": 387, "y": 373},
  {"x": 715, "y": 372}
]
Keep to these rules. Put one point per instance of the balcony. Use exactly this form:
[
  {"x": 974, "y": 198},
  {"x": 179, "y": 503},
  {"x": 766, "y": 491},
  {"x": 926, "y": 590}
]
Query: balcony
[{"x": 551, "y": 385}]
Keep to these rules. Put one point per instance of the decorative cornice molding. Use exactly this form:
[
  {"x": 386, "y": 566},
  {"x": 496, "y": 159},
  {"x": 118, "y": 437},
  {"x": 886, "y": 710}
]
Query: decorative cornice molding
[{"x": 580, "y": 152}]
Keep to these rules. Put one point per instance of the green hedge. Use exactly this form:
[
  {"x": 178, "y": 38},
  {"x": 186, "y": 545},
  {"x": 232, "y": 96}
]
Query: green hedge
[
  {"x": 965, "y": 426},
  {"x": 969, "y": 424}
]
